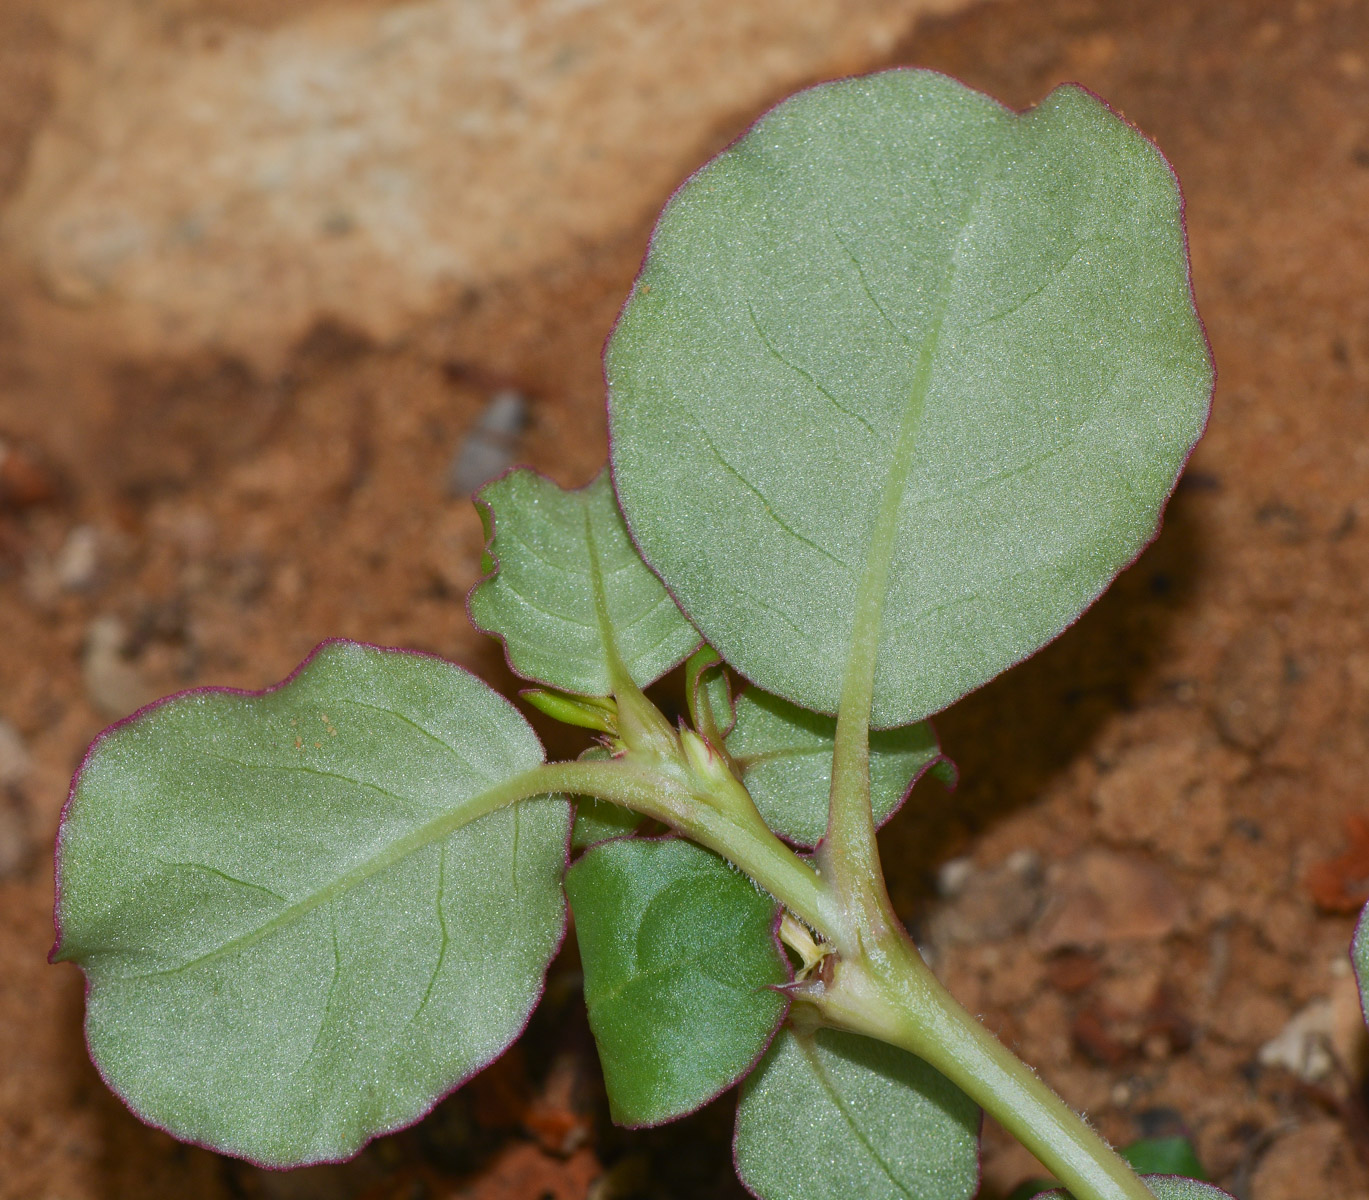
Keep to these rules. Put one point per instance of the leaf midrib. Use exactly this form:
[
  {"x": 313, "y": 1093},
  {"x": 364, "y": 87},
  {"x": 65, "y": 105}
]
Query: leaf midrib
[
  {"x": 808, "y": 1048},
  {"x": 425, "y": 835}
]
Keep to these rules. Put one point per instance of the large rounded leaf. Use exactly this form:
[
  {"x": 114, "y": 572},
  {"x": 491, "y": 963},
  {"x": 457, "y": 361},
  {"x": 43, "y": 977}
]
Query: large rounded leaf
[
  {"x": 681, "y": 967},
  {"x": 300, "y": 920},
  {"x": 833, "y": 1116},
  {"x": 903, "y": 360}
]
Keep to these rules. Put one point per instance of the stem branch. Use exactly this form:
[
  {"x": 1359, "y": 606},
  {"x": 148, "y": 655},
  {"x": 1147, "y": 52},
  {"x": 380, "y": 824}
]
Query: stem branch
[{"x": 892, "y": 995}]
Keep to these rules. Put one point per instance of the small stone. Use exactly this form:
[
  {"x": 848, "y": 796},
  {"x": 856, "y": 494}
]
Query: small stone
[
  {"x": 1248, "y": 704},
  {"x": 14, "y": 756},
  {"x": 77, "y": 566},
  {"x": 1104, "y": 897},
  {"x": 988, "y": 905},
  {"x": 489, "y": 448},
  {"x": 1303, "y": 1046},
  {"x": 952, "y": 877},
  {"x": 114, "y": 685}
]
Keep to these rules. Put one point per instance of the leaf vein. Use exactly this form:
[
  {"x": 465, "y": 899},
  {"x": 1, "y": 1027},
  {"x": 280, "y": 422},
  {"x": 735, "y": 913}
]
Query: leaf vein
[
  {"x": 808, "y": 375},
  {"x": 769, "y": 511}
]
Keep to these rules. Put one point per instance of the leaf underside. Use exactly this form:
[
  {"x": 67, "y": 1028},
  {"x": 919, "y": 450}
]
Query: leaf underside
[
  {"x": 834, "y": 1116},
  {"x": 895, "y": 305},
  {"x": 784, "y": 754},
  {"x": 299, "y": 929},
  {"x": 681, "y": 965},
  {"x": 569, "y": 589}
]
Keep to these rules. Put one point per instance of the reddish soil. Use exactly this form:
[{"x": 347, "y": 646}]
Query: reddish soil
[{"x": 1186, "y": 766}]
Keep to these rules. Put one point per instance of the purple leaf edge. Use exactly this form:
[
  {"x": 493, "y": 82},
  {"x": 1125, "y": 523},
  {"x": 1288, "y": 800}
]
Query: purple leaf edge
[{"x": 254, "y": 693}]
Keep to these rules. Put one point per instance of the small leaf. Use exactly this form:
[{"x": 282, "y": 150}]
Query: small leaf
[
  {"x": 568, "y": 589},
  {"x": 834, "y": 1116},
  {"x": 903, "y": 344},
  {"x": 585, "y": 713},
  {"x": 300, "y": 921},
  {"x": 709, "y": 694},
  {"x": 681, "y": 965},
  {"x": 1164, "y": 1156},
  {"x": 784, "y": 754}
]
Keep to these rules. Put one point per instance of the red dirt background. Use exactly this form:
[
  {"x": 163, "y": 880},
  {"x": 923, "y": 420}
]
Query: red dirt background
[{"x": 1152, "y": 864}]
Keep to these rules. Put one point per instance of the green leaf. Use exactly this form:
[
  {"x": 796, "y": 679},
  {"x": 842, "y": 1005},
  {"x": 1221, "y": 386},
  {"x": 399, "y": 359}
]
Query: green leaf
[
  {"x": 901, "y": 342},
  {"x": 1164, "y": 1156},
  {"x": 784, "y": 754},
  {"x": 583, "y": 712},
  {"x": 1359, "y": 954},
  {"x": 300, "y": 919},
  {"x": 1170, "y": 1187},
  {"x": 569, "y": 590},
  {"x": 834, "y": 1116},
  {"x": 681, "y": 966},
  {"x": 709, "y": 694}
]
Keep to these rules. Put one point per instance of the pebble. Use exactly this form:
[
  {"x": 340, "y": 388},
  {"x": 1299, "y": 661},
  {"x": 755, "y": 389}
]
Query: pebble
[
  {"x": 1102, "y": 897},
  {"x": 489, "y": 448},
  {"x": 987, "y": 905},
  {"x": 77, "y": 566},
  {"x": 114, "y": 685},
  {"x": 1303, "y": 1046}
]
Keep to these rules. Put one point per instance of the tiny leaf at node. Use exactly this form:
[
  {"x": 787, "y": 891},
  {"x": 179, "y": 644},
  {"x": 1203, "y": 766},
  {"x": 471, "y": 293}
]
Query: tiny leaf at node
[
  {"x": 901, "y": 360},
  {"x": 1164, "y": 1156},
  {"x": 709, "y": 694},
  {"x": 301, "y": 917},
  {"x": 784, "y": 754},
  {"x": 681, "y": 966},
  {"x": 569, "y": 590},
  {"x": 834, "y": 1116}
]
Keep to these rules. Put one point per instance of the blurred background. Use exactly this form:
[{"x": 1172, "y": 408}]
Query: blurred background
[{"x": 283, "y": 281}]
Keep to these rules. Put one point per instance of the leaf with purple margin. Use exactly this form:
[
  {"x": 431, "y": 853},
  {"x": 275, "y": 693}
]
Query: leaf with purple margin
[
  {"x": 568, "y": 590},
  {"x": 301, "y": 916},
  {"x": 784, "y": 754},
  {"x": 904, "y": 364},
  {"x": 681, "y": 966},
  {"x": 832, "y": 1116}
]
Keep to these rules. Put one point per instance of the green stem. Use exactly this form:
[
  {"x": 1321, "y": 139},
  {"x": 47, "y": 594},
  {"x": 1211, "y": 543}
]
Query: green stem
[
  {"x": 891, "y": 994},
  {"x": 849, "y": 852},
  {"x": 666, "y": 792}
]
